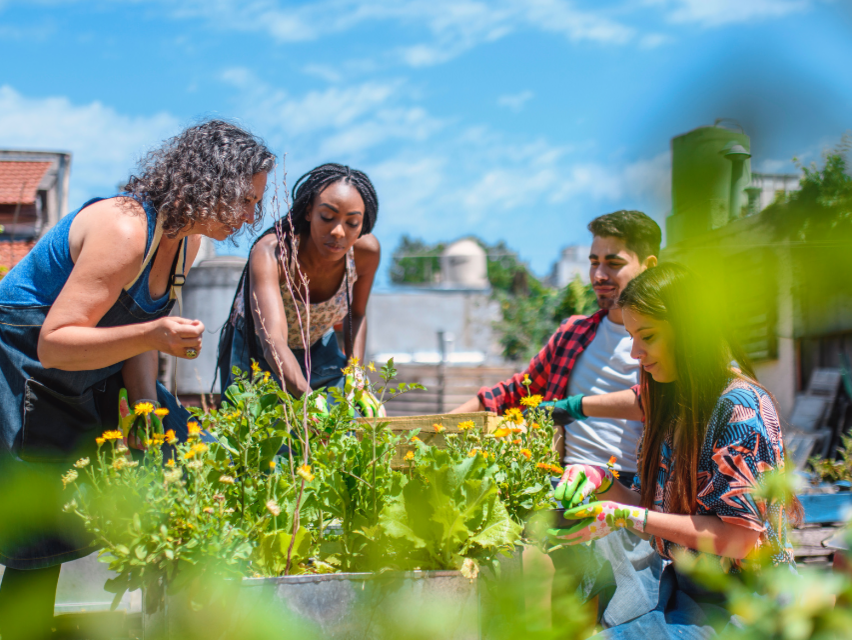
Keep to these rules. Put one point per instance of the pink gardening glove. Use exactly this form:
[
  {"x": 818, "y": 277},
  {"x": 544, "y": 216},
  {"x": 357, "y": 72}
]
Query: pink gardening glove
[
  {"x": 598, "y": 519},
  {"x": 579, "y": 481}
]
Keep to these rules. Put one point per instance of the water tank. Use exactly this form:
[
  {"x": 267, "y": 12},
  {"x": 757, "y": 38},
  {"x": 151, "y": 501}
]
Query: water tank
[
  {"x": 207, "y": 296},
  {"x": 464, "y": 266},
  {"x": 710, "y": 169}
]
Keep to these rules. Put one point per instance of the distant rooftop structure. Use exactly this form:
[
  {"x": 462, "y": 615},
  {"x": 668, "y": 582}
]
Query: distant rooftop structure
[
  {"x": 464, "y": 266},
  {"x": 573, "y": 262},
  {"x": 33, "y": 197}
]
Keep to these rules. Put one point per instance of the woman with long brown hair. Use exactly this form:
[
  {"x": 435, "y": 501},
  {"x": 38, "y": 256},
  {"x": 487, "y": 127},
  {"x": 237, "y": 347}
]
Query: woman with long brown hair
[{"x": 712, "y": 436}]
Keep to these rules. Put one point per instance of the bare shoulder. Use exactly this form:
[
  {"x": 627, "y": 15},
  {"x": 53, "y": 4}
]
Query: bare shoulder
[
  {"x": 263, "y": 259},
  {"x": 119, "y": 225},
  {"x": 368, "y": 252}
]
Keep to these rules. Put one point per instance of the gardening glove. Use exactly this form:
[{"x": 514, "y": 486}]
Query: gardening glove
[
  {"x": 565, "y": 411},
  {"x": 579, "y": 481},
  {"x": 598, "y": 519},
  {"x": 368, "y": 405}
]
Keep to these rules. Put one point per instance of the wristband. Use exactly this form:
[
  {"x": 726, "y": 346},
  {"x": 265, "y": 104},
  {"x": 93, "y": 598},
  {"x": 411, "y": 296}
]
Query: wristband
[{"x": 645, "y": 523}]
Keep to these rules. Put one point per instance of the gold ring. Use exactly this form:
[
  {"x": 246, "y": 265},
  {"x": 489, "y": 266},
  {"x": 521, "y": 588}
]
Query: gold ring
[{"x": 191, "y": 353}]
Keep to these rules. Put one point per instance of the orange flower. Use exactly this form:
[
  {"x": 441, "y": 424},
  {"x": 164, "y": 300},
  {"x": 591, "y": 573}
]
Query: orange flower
[
  {"x": 526, "y": 453},
  {"x": 161, "y": 412},
  {"x": 194, "y": 429},
  {"x": 535, "y": 425},
  {"x": 514, "y": 415},
  {"x": 409, "y": 456},
  {"x": 611, "y": 461},
  {"x": 516, "y": 441},
  {"x": 439, "y": 428}
]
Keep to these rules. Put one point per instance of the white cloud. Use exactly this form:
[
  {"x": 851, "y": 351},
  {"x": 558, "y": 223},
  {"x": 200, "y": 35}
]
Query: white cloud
[
  {"x": 715, "y": 13},
  {"x": 515, "y": 101},
  {"x": 105, "y": 144}
]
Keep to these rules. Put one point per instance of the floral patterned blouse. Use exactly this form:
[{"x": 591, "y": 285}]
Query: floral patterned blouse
[
  {"x": 743, "y": 443},
  {"x": 324, "y": 315}
]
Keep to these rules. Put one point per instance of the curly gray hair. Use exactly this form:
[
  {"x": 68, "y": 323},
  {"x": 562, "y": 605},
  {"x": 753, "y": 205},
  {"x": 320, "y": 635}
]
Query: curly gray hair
[{"x": 201, "y": 174}]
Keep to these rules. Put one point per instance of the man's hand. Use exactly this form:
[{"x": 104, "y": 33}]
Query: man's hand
[{"x": 567, "y": 410}]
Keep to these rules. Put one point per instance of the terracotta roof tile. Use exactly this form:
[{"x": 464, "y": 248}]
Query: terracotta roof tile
[
  {"x": 19, "y": 180},
  {"x": 11, "y": 253}
]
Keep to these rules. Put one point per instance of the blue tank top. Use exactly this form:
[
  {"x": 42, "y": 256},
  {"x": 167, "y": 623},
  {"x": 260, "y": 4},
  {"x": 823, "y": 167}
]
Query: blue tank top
[{"x": 39, "y": 277}]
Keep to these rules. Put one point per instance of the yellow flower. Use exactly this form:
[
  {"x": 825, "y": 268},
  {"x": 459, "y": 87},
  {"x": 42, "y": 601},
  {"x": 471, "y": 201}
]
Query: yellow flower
[
  {"x": 526, "y": 381},
  {"x": 526, "y": 453},
  {"x": 467, "y": 424},
  {"x": 113, "y": 435},
  {"x": 371, "y": 367},
  {"x": 439, "y": 428},
  {"x": 531, "y": 401},
  {"x": 266, "y": 376},
  {"x": 535, "y": 425},
  {"x": 255, "y": 368},
  {"x": 272, "y": 464},
  {"x": 100, "y": 441},
  {"x": 514, "y": 415},
  {"x": 409, "y": 456},
  {"x": 502, "y": 432},
  {"x": 194, "y": 429},
  {"x": 161, "y": 412},
  {"x": 472, "y": 453},
  {"x": 273, "y": 508},
  {"x": 171, "y": 462},
  {"x": 200, "y": 447},
  {"x": 189, "y": 454},
  {"x": 305, "y": 472},
  {"x": 347, "y": 370},
  {"x": 354, "y": 361},
  {"x": 614, "y": 474},
  {"x": 415, "y": 439},
  {"x": 170, "y": 436},
  {"x": 143, "y": 408}
]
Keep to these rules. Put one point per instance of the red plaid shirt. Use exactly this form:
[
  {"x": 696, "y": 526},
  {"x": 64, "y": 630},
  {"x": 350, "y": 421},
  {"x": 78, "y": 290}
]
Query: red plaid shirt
[{"x": 550, "y": 370}]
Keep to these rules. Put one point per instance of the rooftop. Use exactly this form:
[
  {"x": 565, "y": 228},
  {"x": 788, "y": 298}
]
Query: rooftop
[{"x": 20, "y": 180}]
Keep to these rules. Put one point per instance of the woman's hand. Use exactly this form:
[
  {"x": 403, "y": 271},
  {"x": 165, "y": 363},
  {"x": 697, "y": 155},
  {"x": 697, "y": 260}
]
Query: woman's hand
[
  {"x": 579, "y": 481},
  {"x": 599, "y": 519},
  {"x": 177, "y": 336}
]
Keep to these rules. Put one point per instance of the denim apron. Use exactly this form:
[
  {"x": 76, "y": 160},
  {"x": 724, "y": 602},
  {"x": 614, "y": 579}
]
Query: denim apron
[{"x": 39, "y": 438}]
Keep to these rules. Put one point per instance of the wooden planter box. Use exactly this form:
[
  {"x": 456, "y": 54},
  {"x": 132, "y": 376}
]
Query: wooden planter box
[
  {"x": 344, "y": 606},
  {"x": 404, "y": 425}
]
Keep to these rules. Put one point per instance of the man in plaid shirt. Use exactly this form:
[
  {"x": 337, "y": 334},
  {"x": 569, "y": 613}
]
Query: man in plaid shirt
[{"x": 588, "y": 356}]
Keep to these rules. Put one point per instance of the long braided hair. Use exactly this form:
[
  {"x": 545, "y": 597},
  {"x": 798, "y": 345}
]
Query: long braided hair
[{"x": 314, "y": 181}]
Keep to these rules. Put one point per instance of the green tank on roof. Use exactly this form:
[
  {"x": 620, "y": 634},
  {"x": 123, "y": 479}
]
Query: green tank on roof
[{"x": 710, "y": 170}]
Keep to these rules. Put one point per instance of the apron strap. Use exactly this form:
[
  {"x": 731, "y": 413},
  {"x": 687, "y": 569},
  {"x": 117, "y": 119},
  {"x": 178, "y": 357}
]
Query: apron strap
[
  {"x": 178, "y": 277},
  {"x": 155, "y": 242}
]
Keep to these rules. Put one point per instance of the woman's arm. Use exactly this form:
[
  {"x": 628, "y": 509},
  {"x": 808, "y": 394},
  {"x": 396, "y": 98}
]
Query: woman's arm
[
  {"x": 703, "y": 533},
  {"x": 107, "y": 247},
  {"x": 270, "y": 319},
  {"x": 140, "y": 377},
  {"x": 367, "y": 257}
]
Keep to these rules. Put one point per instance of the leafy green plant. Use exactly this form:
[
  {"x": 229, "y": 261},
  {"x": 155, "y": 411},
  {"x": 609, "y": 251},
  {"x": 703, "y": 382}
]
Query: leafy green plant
[
  {"x": 835, "y": 470},
  {"x": 448, "y": 510}
]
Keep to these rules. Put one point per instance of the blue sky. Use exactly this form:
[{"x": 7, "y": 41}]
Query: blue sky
[{"x": 511, "y": 120}]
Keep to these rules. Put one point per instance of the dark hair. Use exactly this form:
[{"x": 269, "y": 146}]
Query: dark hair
[
  {"x": 703, "y": 352},
  {"x": 201, "y": 174},
  {"x": 314, "y": 181},
  {"x": 641, "y": 234}
]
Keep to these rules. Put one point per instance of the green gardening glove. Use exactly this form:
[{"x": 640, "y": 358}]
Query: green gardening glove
[{"x": 567, "y": 410}]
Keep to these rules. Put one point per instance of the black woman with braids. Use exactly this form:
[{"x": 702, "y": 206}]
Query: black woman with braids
[
  {"x": 327, "y": 238},
  {"x": 83, "y": 315}
]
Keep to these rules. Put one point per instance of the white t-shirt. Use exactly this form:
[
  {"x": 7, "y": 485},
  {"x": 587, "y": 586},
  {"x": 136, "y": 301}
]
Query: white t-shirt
[{"x": 605, "y": 366}]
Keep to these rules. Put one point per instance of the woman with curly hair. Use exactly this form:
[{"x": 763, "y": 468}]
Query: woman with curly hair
[
  {"x": 712, "y": 438},
  {"x": 327, "y": 238},
  {"x": 83, "y": 315}
]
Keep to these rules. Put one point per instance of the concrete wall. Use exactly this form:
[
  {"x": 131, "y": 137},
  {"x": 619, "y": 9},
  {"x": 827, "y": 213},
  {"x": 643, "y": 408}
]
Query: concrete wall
[{"x": 406, "y": 322}]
